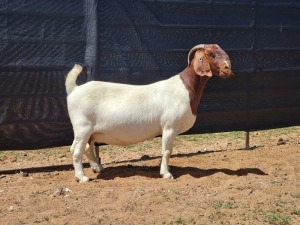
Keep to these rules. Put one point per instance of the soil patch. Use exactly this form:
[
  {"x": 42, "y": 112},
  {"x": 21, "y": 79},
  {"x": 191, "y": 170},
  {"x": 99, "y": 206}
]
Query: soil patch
[{"x": 216, "y": 182}]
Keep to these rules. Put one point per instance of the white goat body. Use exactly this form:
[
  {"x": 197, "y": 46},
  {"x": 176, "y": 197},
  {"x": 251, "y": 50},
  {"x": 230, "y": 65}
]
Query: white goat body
[{"x": 120, "y": 114}]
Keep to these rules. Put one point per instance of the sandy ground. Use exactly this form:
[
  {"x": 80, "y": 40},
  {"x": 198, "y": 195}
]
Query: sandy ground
[{"x": 216, "y": 182}]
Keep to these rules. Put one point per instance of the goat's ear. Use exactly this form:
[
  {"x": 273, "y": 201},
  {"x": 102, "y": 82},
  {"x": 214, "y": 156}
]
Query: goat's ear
[{"x": 201, "y": 64}]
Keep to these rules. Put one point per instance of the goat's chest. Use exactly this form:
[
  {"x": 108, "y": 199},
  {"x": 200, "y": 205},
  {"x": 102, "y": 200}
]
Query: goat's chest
[{"x": 187, "y": 121}]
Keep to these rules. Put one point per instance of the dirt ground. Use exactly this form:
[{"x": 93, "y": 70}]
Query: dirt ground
[{"x": 216, "y": 182}]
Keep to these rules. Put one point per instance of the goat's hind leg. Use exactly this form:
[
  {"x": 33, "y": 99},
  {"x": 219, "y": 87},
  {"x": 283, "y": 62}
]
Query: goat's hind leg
[
  {"x": 93, "y": 158},
  {"x": 77, "y": 149},
  {"x": 97, "y": 155}
]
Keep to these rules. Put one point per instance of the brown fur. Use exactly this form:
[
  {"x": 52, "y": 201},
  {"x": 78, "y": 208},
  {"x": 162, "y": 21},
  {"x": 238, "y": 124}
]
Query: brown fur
[
  {"x": 195, "y": 85},
  {"x": 203, "y": 62},
  {"x": 215, "y": 57}
]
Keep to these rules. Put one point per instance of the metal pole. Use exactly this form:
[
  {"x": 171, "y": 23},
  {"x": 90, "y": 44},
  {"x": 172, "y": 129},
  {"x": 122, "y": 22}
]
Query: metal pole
[{"x": 247, "y": 147}]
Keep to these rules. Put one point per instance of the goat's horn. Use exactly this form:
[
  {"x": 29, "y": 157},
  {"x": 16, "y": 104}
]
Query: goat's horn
[{"x": 192, "y": 51}]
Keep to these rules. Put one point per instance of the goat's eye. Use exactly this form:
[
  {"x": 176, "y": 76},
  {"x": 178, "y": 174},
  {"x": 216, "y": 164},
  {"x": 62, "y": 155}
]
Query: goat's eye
[{"x": 200, "y": 59}]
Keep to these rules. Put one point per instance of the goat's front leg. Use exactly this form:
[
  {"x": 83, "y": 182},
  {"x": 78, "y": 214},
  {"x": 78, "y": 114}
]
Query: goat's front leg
[{"x": 168, "y": 138}]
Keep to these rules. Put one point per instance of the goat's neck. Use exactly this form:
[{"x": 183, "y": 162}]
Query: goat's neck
[{"x": 195, "y": 85}]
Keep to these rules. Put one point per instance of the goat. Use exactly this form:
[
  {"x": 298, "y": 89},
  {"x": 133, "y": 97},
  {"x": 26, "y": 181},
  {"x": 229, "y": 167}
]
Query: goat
[{"x": 121, "y": 114}]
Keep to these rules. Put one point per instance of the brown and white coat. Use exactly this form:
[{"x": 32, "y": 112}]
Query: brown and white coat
[{"x": 120, "y": 114}]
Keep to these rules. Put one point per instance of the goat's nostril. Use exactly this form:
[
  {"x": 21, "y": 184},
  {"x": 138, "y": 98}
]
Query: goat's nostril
[{"x": 226, "y": 67}]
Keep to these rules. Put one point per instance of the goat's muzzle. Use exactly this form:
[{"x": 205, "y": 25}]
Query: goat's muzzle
[{"x": 224, "y": 71}]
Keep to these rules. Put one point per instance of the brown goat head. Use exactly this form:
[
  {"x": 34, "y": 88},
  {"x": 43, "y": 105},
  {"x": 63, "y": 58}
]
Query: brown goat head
[{"x": 211, "y": 56}]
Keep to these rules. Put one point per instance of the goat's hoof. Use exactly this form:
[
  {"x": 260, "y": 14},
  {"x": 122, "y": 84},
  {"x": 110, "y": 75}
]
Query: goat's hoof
[
  {"x": 82, "y": 179},
  {"x": 101, "y": 167},
  {"x": 168, "y": 176},
  {"x": 97, "y": 168}
]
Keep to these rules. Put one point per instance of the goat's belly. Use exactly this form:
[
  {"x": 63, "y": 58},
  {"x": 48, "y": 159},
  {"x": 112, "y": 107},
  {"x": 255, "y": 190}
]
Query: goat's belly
[{"x": 125, "y": 135}]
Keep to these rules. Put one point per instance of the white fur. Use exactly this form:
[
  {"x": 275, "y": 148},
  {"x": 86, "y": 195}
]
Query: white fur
[{"x": 120, "y": 114}]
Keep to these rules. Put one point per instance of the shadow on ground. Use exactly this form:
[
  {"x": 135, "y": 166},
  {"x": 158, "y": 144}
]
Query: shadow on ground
[
  {"x": 153, "y": 172},
  {"x": 146, "y": 171}
]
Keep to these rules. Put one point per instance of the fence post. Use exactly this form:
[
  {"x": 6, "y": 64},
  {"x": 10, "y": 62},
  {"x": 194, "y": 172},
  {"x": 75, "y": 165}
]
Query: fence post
[
  {"x": 91, "y": 37},
  {"x": 247, "y": 140}
]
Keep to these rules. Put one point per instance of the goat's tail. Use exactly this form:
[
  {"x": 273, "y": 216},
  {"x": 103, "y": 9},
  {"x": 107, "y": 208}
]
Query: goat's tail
[{"x": 72, "y": 77}]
